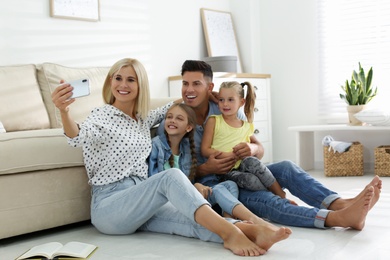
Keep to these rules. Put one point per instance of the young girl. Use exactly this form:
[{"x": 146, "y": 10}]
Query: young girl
[
  {"x": 116, "y": 143},
  {"x": 223, "y": 132},
  {"x": 176, "y": 149}
]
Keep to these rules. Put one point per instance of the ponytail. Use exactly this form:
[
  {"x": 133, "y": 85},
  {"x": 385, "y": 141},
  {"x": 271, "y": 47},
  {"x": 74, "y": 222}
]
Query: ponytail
[{"x": 249, "y": 101}]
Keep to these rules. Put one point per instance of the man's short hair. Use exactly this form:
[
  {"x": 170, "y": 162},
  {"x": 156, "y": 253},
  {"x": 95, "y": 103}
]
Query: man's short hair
[{"x": 197, "y": 65}]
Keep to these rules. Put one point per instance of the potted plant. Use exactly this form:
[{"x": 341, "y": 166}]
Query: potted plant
[{"x": 357, "y": 93}]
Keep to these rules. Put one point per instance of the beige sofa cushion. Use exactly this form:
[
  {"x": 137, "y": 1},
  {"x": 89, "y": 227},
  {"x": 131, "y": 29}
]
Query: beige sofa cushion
[
  {"x": 35, "y": 150},
  {"x": 21, "y": 105},
  {"x": 2, "y": 129},
  {"x": 49, "y": 76}
]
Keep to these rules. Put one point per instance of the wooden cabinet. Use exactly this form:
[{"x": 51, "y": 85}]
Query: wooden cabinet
[{"x": 262, "y": 118}]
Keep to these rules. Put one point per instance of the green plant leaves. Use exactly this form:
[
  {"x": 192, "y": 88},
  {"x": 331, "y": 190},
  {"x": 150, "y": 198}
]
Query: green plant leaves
[{"x": 359, "y": 90}]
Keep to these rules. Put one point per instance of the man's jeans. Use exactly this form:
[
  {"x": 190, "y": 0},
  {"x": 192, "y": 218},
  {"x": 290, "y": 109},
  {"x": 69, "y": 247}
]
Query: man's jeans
[{"x": 265, "y": 204}]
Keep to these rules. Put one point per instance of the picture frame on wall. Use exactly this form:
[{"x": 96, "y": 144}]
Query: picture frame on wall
[
  {"x": 86, "y": 10},
  {"x": 220, "y": 34}
]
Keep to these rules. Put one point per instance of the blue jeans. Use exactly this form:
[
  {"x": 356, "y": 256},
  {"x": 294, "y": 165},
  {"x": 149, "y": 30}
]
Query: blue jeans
[
  {"x": 225, "y": 194},
  {"x": 265, "y": 204},
  {"x": 164, "y": 203}
]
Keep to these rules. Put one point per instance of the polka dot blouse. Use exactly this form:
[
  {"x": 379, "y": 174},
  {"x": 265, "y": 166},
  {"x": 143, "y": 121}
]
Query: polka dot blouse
[{"x": 115, "y": 145}]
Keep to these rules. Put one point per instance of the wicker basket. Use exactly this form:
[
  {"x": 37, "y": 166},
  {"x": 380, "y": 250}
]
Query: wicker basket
[
  {"x": 349, "y": 163},
  {"x": 382, "y": 160}
]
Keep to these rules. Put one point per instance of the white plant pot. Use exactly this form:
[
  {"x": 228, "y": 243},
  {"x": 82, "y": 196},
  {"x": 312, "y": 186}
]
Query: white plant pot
[{"x": 352, "y": 110}]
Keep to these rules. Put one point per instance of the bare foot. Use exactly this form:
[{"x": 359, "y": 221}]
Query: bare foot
[
  {"x": 353, "y": 216},
  {"x": 240, "y": 244},
  {"x": 264, "y": 235},
  {"x": 266, "y": 224},
  {"x": 376, "y": 182}
]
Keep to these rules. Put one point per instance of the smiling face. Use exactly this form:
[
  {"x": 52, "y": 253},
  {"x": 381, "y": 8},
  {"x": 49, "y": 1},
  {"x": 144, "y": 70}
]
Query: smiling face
[
  {"x": 196, "y": 89},
  {"x": 229, "y": 101},
  {"x": 124, "y": 87},
  {"x": 176, "y": 122}
]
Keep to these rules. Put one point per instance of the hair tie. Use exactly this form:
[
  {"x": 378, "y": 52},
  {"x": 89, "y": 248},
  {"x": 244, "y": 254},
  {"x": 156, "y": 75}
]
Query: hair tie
[{"x": 245, "y": 91}]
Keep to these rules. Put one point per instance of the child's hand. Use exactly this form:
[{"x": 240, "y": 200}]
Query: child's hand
[
  {"x": 204, "y": 190},
  {"x": 242, "y": 150},
  {"x": 293, "y": 202}
]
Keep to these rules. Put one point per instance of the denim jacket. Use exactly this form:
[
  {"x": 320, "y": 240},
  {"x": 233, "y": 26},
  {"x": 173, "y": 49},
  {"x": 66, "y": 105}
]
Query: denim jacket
[{"x": 161, "y": 153}]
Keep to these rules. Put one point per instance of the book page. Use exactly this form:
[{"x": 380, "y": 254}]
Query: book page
[
  {"x": 76, "y": 249},
  {"x": 46, "y": 250}
]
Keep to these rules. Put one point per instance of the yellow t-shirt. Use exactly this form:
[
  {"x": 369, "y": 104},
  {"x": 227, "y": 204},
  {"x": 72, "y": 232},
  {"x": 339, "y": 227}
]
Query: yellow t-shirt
[{"x": 226, "y": 137}]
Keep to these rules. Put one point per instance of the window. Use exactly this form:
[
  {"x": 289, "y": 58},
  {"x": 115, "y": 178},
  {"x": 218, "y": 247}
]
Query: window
[{"x": 352, "y": 31}]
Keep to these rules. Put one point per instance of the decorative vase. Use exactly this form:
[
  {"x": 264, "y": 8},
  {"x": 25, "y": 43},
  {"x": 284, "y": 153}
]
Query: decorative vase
[{"x": 352, "y": 110}]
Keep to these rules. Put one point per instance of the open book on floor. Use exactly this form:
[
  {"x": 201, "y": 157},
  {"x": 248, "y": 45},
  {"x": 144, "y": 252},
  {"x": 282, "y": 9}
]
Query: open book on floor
[{"x": 55, "y": 250}]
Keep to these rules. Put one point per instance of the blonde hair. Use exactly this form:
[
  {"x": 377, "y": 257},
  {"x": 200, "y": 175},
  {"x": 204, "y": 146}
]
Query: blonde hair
[
  {"x": 250, "y": 97},
  {"x": 192, "y": 122},
  {"x": 142, "y": 104}
]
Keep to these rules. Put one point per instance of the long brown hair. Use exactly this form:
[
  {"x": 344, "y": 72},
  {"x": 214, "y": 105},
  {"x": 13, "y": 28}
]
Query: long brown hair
[{"x": 190, "y": 135}]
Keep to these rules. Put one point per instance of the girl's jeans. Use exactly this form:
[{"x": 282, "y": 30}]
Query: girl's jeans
[
  {"x": 225, "y": 194},
  {"x": 265, "y": 204},
  {"x": 164, "y": 203}
]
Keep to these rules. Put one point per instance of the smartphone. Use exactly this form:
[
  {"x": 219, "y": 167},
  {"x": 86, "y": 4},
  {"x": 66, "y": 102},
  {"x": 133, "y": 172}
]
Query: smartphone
[{"x": 81, "y": 88}]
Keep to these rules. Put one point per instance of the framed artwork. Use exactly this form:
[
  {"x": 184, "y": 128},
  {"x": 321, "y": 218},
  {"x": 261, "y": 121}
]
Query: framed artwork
[
  {"x": 220, "y": 35},
  {"x": 87, "y": 10}
]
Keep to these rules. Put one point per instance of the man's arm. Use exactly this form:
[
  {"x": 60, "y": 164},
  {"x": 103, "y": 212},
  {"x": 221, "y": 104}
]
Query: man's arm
[
  {"x": 217, "y": 162},
  {"x": 254, "y": 148},
  {"x": 216, "y": 165}
]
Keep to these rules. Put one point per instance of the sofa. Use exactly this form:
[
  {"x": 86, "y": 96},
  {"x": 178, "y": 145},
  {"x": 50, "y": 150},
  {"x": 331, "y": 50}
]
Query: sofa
[{"x": 43, "y": 183}]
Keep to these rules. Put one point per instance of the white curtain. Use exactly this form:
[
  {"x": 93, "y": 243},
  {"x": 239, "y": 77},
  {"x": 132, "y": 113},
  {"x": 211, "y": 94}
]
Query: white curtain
[{"x": 352, "y": 31}]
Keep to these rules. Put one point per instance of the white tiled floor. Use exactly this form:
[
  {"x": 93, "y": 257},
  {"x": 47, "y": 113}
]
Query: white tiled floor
[{"x": 338, "y": 243}]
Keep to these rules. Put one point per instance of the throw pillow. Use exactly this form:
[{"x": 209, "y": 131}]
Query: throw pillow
[
  {"x": 49, "y": 76},
  {"x": 374, "y": 117},
  {"x": 2, "y": 129},
  {"x": 21, "y": 104}
]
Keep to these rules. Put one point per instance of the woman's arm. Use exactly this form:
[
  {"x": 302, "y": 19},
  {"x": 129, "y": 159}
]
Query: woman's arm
[{"x": 61, "y": 99}]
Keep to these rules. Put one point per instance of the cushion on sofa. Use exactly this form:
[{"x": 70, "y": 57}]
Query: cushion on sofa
[
  {"x": 21, "y": 104},
  {"x": 49, "y": 76},
  {"x": 34, "y": 150},
  {"x": 2, "y": 129}
]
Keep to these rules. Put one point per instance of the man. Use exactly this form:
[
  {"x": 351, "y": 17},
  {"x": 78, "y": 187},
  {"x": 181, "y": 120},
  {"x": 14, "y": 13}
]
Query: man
[{"x": 328, "y": 208}]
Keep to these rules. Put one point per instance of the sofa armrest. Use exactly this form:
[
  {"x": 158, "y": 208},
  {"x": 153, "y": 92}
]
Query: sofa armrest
[{"x": 33, "y": 150}]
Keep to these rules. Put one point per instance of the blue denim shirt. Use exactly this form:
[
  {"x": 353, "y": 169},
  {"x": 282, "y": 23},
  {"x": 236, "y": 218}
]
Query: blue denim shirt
[{"x": 161, "y": 152}]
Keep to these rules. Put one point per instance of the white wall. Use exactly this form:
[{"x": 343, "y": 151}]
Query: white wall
[
  {"x": 161, "y": 34},
  {"x": 289, "y": 53},
  {"x": 278, "y": 37}
]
